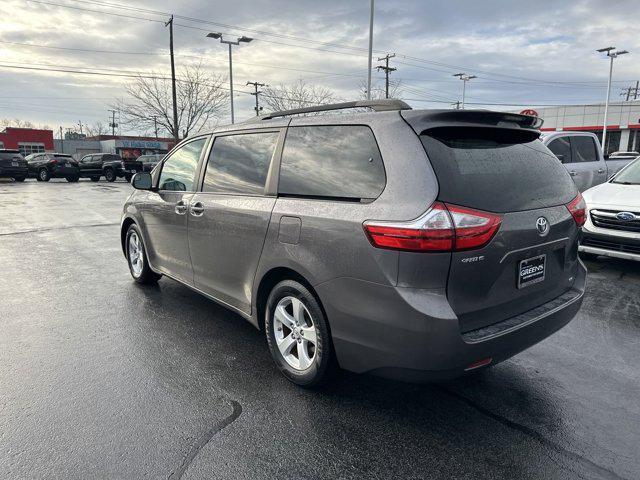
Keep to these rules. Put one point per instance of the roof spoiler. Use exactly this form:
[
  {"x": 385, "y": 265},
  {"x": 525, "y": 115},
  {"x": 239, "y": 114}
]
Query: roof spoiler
[{"x": 428, "y": 119}]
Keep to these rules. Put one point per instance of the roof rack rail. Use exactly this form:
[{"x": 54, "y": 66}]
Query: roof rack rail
[{"x": 375, "y": 105}]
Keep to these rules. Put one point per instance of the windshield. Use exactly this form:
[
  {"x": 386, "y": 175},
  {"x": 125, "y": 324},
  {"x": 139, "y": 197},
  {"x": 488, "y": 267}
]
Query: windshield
[{"x": 630, "y": 175}]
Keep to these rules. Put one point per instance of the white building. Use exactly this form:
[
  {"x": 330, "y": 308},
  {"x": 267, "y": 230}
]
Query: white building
[{"x": 623, "y": 122}]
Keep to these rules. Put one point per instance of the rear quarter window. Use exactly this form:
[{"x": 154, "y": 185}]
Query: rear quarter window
[
  {"x": 496, "y": 170},
  {"x": 336, "y": 162}
]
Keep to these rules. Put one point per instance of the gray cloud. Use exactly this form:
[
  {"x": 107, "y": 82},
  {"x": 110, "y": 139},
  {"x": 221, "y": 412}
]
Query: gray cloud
[{"x": 494, "y": 39}]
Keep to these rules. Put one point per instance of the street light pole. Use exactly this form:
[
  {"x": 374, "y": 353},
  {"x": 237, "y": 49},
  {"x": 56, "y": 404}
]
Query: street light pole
[
  {"x": 465, "y": 78},
  {"x": 230, "y": 43},
  {"x": 611, "y": 53}
]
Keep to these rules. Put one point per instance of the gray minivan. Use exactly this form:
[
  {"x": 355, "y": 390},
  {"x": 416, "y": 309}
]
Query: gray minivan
[{"x": 412, "y": 244}]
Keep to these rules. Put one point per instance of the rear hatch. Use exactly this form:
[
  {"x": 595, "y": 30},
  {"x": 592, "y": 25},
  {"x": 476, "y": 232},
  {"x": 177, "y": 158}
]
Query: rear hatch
[
  {"x": 12, "y": 159},
  {"x": 132, "y": 166},
  {"x": 502, "y": 168}
]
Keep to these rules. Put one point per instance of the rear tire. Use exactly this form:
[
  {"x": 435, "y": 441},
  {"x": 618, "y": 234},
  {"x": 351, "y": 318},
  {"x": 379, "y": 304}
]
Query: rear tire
[
  {"x": 95, "y": 179},
  {"x": 298, "y": 334},
  {"x": 110, "y": 175},
  {"x": 128, "y": 177},
  {"x": 137, "y": 258},
  {"x": 73, "y": 179},
  {"x": 43, "y": 175}
]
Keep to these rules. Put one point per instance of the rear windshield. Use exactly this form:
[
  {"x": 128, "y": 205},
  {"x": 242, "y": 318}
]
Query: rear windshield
[{"x": 496, "y": 170}]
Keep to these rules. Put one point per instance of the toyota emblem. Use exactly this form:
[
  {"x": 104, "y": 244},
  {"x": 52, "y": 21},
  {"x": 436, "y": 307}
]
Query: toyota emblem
[{"x": 542, "y": 225}]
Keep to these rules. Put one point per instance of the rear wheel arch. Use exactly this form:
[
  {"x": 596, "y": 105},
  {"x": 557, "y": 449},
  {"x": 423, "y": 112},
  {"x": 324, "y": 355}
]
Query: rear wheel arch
[{"x": 269, "y": 280}]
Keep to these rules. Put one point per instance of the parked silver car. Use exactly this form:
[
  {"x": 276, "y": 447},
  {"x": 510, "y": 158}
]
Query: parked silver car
[
  {"x": 581, "y": 154},
  {"x": 411, "y": 244}
]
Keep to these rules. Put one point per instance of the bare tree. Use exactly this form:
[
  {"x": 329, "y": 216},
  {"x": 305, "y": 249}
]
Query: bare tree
[
  {"x": 97, "y": 129},
  {"x": 201, "y": 97},
  {"x": 378, "y": 90},
  {"x": 298, "y": 95}
]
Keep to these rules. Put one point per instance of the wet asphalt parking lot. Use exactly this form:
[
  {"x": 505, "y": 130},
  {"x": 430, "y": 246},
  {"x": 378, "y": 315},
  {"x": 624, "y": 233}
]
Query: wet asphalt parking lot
[{"x": 103, "y": 378}]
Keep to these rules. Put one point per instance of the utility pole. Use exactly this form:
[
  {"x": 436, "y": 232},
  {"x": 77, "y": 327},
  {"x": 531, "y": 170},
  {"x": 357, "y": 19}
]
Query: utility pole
[
  {"x": 387, "y": 70},
  {"x": 230, "y": 43},
  {"x": 456, "y": 105},
  {"x": 629, "y": 91},
  {"x": 61, "y": 140},
  {"x": 80, "y": 125},
  {"x": 113, "y": 123},
  {"x": 465, "y": 78},
  {"x": 370, "y": 50},
  {"x": 257, "y": 108},
  {"x": 176, "y": 133},
  {"x": 611, "y": 53},
  {"x": 155, "y": 125}
]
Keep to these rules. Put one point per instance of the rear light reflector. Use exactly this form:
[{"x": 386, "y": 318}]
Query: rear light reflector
[
  {"x": 578, "y": 209},
  {"x": 443, "y": 228},
  {"x": 480, "y": 363}
]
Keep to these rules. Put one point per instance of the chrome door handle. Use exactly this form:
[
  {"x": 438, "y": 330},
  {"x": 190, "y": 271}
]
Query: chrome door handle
[
  {"x": 197, "y": 209},
  {"x": 601, "y": 170},
  {"x": 573, "y": 173},
  {"x": 181, "y": 208}
]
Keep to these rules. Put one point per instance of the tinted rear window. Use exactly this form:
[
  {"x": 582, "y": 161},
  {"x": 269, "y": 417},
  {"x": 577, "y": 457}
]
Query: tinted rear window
[
  {"x": 341, "y": 162},
  {"x": 496, "y": 170}
]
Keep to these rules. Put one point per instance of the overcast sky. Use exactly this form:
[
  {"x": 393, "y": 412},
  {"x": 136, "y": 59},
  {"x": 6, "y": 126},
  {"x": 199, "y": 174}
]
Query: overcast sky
[{"x": 525, "y": 53}]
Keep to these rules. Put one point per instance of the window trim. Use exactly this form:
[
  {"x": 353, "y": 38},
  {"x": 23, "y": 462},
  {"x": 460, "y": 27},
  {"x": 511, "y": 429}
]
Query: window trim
[
  {"x": 269, "y": 190},
  {"x": 186, "y": 141},
  {"x": 323, "y": 197}
]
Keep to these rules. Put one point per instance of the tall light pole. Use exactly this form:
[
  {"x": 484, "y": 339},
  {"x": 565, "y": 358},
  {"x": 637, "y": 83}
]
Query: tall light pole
[
  {"x": 370, "y": 50},
  {"x": 465, "y": 78},
  {"x": 230, "y": 43},
  {"x": 611, "y": 53}
]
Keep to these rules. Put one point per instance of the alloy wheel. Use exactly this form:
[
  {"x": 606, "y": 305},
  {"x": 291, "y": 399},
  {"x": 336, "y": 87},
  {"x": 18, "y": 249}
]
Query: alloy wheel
[
  {"x": 136, "y": 255},
  {"x": 295, "y": 333}
]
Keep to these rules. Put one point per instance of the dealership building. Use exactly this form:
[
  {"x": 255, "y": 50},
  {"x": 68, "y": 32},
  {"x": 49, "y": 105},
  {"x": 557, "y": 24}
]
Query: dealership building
[
  {"x": 125, "y": 146},
  {"x": 623, "y": 122},
  {"x": 27, "y": 140}
]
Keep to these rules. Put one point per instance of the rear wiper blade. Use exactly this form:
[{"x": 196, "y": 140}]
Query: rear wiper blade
[{"x": 627, "y": 183}]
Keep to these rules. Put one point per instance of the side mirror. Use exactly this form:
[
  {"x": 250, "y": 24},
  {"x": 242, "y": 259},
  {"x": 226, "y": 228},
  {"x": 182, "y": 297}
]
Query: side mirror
[{"x": 142, "y": 181}]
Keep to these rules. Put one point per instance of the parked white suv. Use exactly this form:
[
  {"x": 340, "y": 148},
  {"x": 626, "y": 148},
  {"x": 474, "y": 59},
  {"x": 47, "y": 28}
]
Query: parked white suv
[{"x": 613, "y": 219}]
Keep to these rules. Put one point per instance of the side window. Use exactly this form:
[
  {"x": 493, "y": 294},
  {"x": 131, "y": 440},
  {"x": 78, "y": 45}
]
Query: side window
[
  {"x": 239, "y": 163},
  {"x": 178, "y": 172},
  {"x": 584, "y": 149},
  {"x": 561, "y": 148},
  {"x": 340, "y": 162}
]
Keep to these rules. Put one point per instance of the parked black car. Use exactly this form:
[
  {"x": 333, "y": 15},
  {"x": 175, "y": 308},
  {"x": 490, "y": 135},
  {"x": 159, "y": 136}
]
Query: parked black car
[
  {"x": 150, "y": 161},
  {"x": 109, "y": 166},
  {"x": 44, "y": 166},
  {"x": 13, "y": 165}
]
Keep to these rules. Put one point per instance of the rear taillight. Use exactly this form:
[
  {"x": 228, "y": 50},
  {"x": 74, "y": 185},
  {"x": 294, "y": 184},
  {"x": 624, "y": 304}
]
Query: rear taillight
[
  {"x": 474, "y": 228},
  {"x": 432, "y": 232},
  {"x": 442, "y": 228},
  {"x": 54, "y": 161},
  {"x": 578, "y": 209}
]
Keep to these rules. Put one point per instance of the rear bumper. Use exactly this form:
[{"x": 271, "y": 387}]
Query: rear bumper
[
  {"x": 13, "y": 171},
  {"x": 413, "y": 335}
]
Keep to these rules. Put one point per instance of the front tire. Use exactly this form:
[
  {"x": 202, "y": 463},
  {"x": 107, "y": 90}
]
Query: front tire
[
  {"x": 128, "y": 177},
  {"x": 137, "y": 258},
  {"x": 95, "y": 179},
  {"x": 43, "y": 175},
  {"x": 298, "y": 334},
  {"x": 73, "y": 179},
  {"x": 110, "y": 175}
]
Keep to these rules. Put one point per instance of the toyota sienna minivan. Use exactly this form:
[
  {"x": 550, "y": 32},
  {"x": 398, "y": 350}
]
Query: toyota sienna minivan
[{"x": 411, "y": 244}]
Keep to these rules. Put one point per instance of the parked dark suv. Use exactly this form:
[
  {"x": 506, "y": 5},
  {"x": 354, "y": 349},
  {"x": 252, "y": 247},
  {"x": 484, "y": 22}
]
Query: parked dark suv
[
  {"x": 415, "y": 245},
  {"x": 13, "y": 165},
  {"x": 109, "y": 165},
  {"x": 45, "y": 166}
]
